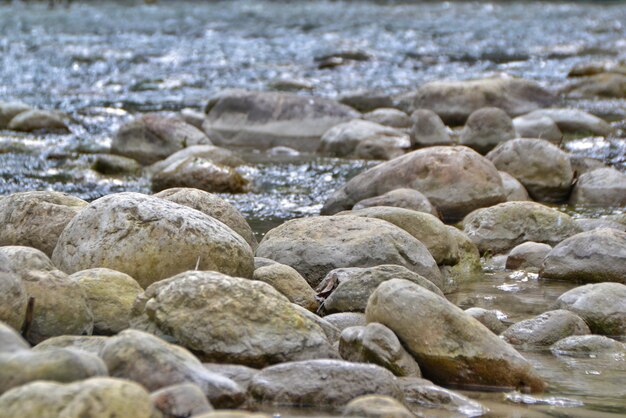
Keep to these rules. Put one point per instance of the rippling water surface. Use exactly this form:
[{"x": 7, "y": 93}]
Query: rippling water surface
[{"x": 104, "y": 62}]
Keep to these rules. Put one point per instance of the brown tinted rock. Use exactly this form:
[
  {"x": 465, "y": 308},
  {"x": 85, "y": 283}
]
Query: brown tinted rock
[
  {"x": 38, "y": 120},
  {"x": 399, "y": 198},
  {"x": 514, "y": 190},
  {"x": 485, "y": 128},
  {"x": 290, "y": 283},
  {"x": 8, "y": 110},
  {"x": 181, "y": 400},
  {"x": 428, "y": 129},
  {"x": 389, "y": 117},
  {"x": 545, "y": 329},
  {"x": 375, "y": 406}
]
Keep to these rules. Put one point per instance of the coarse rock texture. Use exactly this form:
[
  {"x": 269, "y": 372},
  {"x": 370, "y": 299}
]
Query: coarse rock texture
[
  {"x": 315, "y": 246},
  {"x": 611, "y": 85},
  {"x": 488, "y": 318},
  {"x": 110, "y": 295},
  {"x": 241, "y": 375},
  {"x": 13, "y": 297},
  {"x": 603, "y": 187},
  {"x": 116, "y": 165},
  {"x": 595, "y": 256},
  {"x": 376, "y": 406},
  {"x": 345, "y": 320},
  {"x": 36, "y": 120},
  {"x": 587, "y": 345},
  {"x": 349, "y": 289},
  {"x": 469, "y": 265},
  {"x": 264, "y": 120},
  {"x": 354, "y": 139},
  {"x": 290, "y": 283},
  {"x": 428, "y": 129},
  {"x": 454, "y": 101},
  {"x": 514, "y": 190},
  {"x": 537, "y": 126},
  {"x": 153, "y": 137},
  {"x": 399, "y": 198},
  {"x": 389, "y": 117},
  {"x": 10, "y": 340},
  {"x": 540, "y": 166},
  {"x": 587, "y": 224},
  {"x": 545, "y": 329},
  {"x": 149, "y": 239},
  {"x": 321, "y": 383},
  {"x": 450, "y": 346},
  {"x": 527, "y": 256},
  {"x": 331, "y": 331},
  {"x": 217, "y": 155},
  {"x": 485, "y": 128},
  {"x": 601, "y": 305},
  {"x": 367, "y": 100},
  {"x": 263, "y": 262},
  {"x": 59, "y": 306},
  {"x": 425, "y": 394},
  {"x": 8, "y": 110},
  {"x": 456, "y": 180},
  {"x": 89, "y": 343},
  {"x": 504, "y": 226},
  {"x": 213, "y": 206},
  {"x": 55, "y": 364},
  {"x": 575, "y": 121},
  {"x": 232, "y": 320},
  {"x": 180, "y": 400},
  {"x": 155, "y": 364},
  {"x": 377, "y": 344},
  {"x": 100, "y": 397},
  {"x": 36, "y": 219},
  {"x": 199, "y": 173},
  {"x": 426, "y": 228}
]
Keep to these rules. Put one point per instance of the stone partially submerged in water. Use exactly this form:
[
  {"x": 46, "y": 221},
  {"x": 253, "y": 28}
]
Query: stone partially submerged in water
[
  {"x": 36, "y": 120},
  {"x": 575, "y": 121},
  {"x": 545, "y": 329}
]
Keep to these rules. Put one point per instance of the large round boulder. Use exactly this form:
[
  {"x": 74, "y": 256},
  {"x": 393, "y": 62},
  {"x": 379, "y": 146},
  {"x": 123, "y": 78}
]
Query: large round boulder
[
  {"x": 545, "y": 329},
  {"x": 149, "y": 239},
  {"x": 264, "y": 120},
  {"x": 601, "y": 187},
  {"x": 450, "y": 346},
  {"x": 540, "y": 166},
  {"x": 486, "y": 128},
  {"x": 36, "y": 219},
  {"x": 232, "y": 320},
  {"x": 504, "y": 226},
  {"x": 153, "y": 137},
  {"x": 456, "y": 180},
  {"x": 428, "y": 129},
  {"x": 595, "y": 256},
  {"x": 315, "y": 246}
]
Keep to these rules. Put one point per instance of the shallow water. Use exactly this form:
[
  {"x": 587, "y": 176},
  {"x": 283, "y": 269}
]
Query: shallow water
[{"x": 103, "y": 62}]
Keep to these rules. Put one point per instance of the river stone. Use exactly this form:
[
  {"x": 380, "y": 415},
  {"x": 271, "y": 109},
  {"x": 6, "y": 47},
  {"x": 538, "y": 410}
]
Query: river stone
[
  {"x": 149, "y": 239},
  {"x": 100, "y": 397},
  {"x": 468, "y": 267},
  {"x": 321, "y": 383},
  {"x": 537, "y": 126},
  {"x": 347, "y": 140},
  {"x": 38, "y": 120},
  {"x": 426, "y": 228},
  {"x": 192, "y": 116},
  {"x": 290, "y": 283},
  {"x": 377, "y": 344},
  {"x": 315, "y": 246},
  {"x": 116, "y": 165},
  {"x": 180, "y": 400},
  {"x": 601, "y": 305},
  {"x": 527, "y": 256},
  {"x": 514, "y": 190},
  {"x": 611, "y": 85},
  {"x": 56, "y": 364},
  {"x": 232, "y": 414},
  {"x": 545, "y": 329},
  {"x": 36, "y": 219},
  {"x": 241, "y": 375},
  {"x": 367, "y": 100},
  {"x": 485, "y": 128},
  {"x": 13, "y": 297},
  {"x": 153, "y": 137},
  {"x": 587, "y": 345},
  {"x": 264, "y": 120},
  {"x": 331, "y": 331},
  {"x": 456, "y": 180},
  {"x": 155, "y": 364},
  {"x": 587, "y": 224},
  {"x": 428, "y": 129},
  {"x": 263, "y": 262},
  {"x": 92, "y": 344},
  {"x": 20, "y": 260},
  {"x": 595, "y": 256},
  {"x": 345, "y": 320},
  {"x": 214, "y": 206},
  {"x": 399, "y": 198},
  {"x": 233, "y": 320},
  {"x": 350, "y": 288},
  {"x": 450, "y": 346},
  {"x": 425, "y": 394},
  {"x": 375, "y": 406},
  {"x": 217, "y": 155},
  {"x": 110, "y": 295},
  {"x": 389, "y": 117},
  {"x": 603, "y": 187},
  {"x": 504, "y": 226},
  {"x": 488, "y": 318},
  {"x": 540, "y": 166},
  {"x": 10, "y": 340},
  {"x": 582, "y": 164},
  {"x": 454, "y": 101},
  {"x": 200, "y": 173},
  {"x": 8, "y": 110},
  {"x": 575, "y": 121}
]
